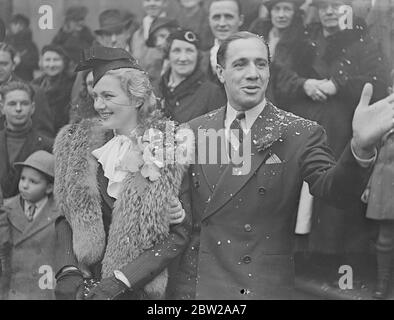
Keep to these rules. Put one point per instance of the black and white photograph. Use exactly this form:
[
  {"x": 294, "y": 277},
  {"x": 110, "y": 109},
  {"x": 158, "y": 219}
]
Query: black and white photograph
[{"x": 194, "y": 155}]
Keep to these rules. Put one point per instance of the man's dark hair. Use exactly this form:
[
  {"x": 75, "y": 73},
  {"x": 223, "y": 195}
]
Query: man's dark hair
[
  {"x": 221, "y": 56},
  {"x": 16, "y": 85},
  {"x": 238, "y": 2},
  {"x": 20, "y": 19}
]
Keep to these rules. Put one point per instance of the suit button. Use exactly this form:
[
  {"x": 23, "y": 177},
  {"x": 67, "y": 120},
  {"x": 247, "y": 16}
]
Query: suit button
[
  {"x": 197, "y": 184},
  {"x": 262, "y": 191},
  {"x": 246, "y": 259},
  {"x": 248, "y": 227}
]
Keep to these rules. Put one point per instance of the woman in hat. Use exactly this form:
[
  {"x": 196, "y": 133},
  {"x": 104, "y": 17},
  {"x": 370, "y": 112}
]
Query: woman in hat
[
  {"x": 283, "y": 27},
  {"x": 118, "y": 197},
  {"x": 56, "y": 83},
  {"x": 159, "y": 33},
  {"x": 185, "y": 90}
]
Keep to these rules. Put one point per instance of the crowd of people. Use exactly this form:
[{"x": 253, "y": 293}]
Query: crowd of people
[{"x": 314, "y": 90}]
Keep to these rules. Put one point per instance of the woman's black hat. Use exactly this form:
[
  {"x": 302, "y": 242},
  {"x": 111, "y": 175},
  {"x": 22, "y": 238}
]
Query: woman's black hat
[{"x": 103, "y": 59}]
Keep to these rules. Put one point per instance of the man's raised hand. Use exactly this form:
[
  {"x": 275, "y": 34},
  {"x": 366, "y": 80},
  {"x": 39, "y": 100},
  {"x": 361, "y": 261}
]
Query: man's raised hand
[{"x": 371, "y": 122}]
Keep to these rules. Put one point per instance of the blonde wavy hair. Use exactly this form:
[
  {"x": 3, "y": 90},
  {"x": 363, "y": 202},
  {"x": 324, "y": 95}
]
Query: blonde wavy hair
[{"x": 138, "y": 87}]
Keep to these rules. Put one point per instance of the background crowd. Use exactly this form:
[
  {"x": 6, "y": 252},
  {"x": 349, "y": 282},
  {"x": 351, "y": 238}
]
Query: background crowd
[{"x": 317, "y": 72}]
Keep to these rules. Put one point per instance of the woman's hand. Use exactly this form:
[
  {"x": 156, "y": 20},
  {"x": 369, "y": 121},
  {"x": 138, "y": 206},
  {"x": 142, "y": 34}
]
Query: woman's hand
[
  {"x": 176, "y": 212},
  {"x": 312, "y": 90}
]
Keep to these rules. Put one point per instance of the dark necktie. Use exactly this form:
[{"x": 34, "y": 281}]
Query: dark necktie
[
  {"x": 31, "y": 210},
  {"x": 236, "y": 131}
]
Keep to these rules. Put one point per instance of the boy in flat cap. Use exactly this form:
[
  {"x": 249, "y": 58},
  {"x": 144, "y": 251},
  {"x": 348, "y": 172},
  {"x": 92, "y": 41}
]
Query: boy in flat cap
[{"x": 29, "y": 221}]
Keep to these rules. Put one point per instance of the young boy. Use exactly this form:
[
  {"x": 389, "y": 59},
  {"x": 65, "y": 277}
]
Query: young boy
[
  {"x": 19, "y": 139},
  {"x": 30, "y": 223}
]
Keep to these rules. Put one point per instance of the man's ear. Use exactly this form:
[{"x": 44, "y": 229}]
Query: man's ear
[{"x": 219, "y": 73}]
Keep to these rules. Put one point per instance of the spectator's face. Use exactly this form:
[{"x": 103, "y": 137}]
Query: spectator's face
[
  {"x": 33, "y": 186},
  {"x": 113, "y": 104},
  {"x": 6, "y": 66},
  {"x": 224, "y": 19},
  {"x": 161, "y": 37},
  {"x": 89, "y": 83},
  {"x": 153, "y": 8},
  {"x": 282, "y": 15},
  {"x": 190, "y": 3},
  {"x": 115, "y": 40},
  {"x": 16, "y": 28},
  {"x": 329, "y": 14},
  {"x": 52, "y": 63},
  {"x": 17, "y": 109},
  {"x": 245, "y": 74},
  {"x": 76, "y": 25},
  {"x": 183, "y": 58}
]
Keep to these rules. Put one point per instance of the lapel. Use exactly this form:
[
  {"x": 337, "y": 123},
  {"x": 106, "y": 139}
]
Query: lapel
[
  {"x": 47, "y": 216},
  {"x": 212, "y": 172},
  {"x": 265, "y": 131},
  {"x": 17, "y": 215}
]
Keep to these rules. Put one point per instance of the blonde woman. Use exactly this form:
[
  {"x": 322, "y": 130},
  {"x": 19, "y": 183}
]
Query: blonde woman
[{"x": 117, "y": 199}]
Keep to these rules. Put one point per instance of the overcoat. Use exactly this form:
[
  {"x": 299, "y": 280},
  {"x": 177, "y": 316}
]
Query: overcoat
[
  {"x": 33, "y": 250},
  {"x": 192, "y": 98},
  {"x": 243, "y": 225}
]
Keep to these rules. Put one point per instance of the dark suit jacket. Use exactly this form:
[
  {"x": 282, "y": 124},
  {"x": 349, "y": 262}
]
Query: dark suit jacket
[
  {"x": 9, "y": 177},
  {"x": 33, "y": 246},
  {"x": 243, "y": 225}
]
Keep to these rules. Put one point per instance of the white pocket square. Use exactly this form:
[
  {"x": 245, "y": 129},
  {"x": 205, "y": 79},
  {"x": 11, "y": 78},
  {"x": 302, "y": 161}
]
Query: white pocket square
[{"x": 273, "y": 159}]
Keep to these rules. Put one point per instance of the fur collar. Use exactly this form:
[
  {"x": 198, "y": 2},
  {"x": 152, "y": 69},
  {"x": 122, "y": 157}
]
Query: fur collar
[{"x": 138, "y": 218}]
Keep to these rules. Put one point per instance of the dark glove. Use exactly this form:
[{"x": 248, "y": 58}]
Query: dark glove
[
  {"x": 69, "y": 285},
  {"x": 108, "y": 289}
]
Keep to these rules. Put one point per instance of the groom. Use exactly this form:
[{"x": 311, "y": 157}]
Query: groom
[{"x": 243, "y": 225}]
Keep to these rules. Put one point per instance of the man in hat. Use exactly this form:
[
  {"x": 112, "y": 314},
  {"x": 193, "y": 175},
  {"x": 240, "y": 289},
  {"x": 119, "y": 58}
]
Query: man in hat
[
  {"x": 116, "y": 29},
  {"x": 21, "y": 38},
  {"x": 29, "y": 221},
  {"x": 74, "y": 35}
]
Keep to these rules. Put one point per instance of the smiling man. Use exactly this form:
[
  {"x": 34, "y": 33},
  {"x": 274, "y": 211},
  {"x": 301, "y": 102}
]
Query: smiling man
[
  {"x": 243, "y": 225},
  {"x": 225, "y": 19}
]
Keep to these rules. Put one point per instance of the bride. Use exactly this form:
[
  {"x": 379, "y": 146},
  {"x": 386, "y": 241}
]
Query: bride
[{"x": 123, "y": 224}]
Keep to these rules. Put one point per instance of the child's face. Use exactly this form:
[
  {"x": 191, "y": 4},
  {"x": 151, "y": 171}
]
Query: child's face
[
  {"x": 153, "y": 8},
  {"x": 16, "y": 28},
  {"x": 33, "y": 186},
  {"x": 17, "y": 108}
]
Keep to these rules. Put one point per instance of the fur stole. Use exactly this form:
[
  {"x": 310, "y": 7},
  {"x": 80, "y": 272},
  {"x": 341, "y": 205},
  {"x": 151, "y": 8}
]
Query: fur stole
[{"x": 139, "y": 218}]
